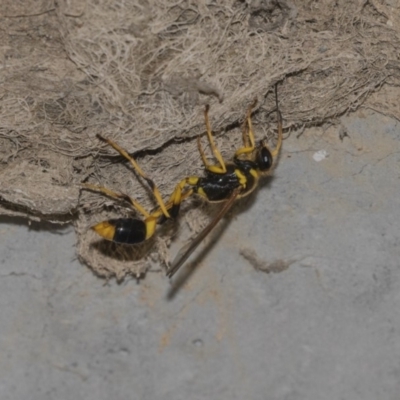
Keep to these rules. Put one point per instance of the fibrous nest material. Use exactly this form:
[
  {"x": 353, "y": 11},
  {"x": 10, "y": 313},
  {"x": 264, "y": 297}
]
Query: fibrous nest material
[{"x": 140, "y": 72}]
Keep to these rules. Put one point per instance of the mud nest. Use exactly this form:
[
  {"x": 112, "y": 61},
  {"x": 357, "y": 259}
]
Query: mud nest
[{"x": 140, "y": 73}]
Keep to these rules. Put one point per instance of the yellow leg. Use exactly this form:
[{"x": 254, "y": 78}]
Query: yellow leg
[
  {"x": 248, "y": 134},
  {"x": 135, "y": 165},
  {"x": 214, "y": 168},
  {"x": 178, "y": 195},
  {"x": 118, "y": 196},
  {"x": 201, "y": 151},
  {"x": 248, "y": 148},
  {"x": 134, "y": 203},
  {"x": 170, "y": 204}
]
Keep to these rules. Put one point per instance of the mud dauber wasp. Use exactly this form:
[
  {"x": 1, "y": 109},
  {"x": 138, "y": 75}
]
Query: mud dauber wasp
[{"x": 223, "y": 182}]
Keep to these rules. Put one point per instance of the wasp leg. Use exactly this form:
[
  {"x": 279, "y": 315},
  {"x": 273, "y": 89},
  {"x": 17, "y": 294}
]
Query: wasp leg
[
  {"x": 136, "y": 167},
  {"x": 178, "y": 195},
  {"x": 249, "y": 148},
  {"x": 248, "y": 134},
  {"x": 212, "y": 168},
  {"x": 221, "y": 168},
  {"x": 118, "y": 196},
  {"x": 201, "y": 151},
  {"x": 174, "y": 209}
]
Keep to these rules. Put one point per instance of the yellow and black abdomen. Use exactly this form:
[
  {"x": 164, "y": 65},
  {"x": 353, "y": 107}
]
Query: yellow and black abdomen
[{"x": 123, "y": 230}]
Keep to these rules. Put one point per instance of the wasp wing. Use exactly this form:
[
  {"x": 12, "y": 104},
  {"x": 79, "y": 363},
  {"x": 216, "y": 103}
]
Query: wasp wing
[{"x": 185, "y": 252}]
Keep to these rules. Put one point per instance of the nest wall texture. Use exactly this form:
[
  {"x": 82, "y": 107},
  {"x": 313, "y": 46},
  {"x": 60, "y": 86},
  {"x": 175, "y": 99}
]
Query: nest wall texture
[{"x": 140, "y": 72}]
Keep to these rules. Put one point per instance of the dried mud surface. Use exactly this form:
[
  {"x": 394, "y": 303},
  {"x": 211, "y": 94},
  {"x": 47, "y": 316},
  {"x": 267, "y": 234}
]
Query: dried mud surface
[{"x": 141, "y": 72}]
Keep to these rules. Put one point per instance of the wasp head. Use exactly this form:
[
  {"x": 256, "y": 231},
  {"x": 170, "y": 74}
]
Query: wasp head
[{"x": 263, "y": 159}]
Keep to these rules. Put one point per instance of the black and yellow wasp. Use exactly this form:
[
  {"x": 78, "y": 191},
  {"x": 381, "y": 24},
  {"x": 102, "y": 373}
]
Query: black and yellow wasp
[{"x": 222, "y": 182}]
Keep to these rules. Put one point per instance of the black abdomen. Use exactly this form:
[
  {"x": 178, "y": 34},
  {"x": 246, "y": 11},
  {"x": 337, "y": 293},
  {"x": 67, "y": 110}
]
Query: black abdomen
[{"x": 128, "y": 230}]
